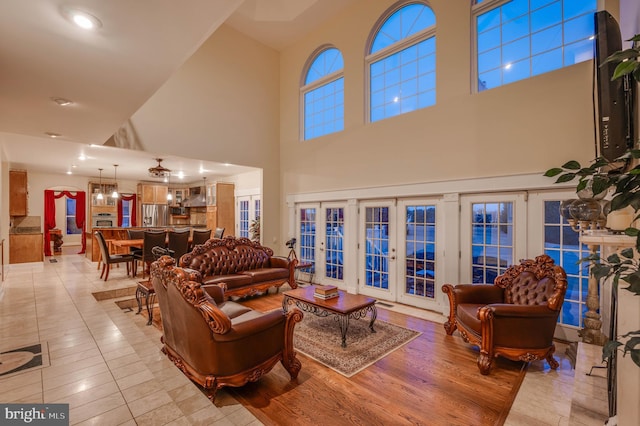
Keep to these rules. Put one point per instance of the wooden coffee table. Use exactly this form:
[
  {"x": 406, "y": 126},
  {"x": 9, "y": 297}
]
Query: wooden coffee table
[{"x": 344, "y": 307}]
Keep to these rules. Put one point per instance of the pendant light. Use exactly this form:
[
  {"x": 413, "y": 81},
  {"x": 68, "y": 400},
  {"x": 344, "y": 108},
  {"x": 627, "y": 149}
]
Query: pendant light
[
  {"x": 100, "y": 196},
  {"x": 169, "y": 194},
  {"x": 115, "y": 177}
]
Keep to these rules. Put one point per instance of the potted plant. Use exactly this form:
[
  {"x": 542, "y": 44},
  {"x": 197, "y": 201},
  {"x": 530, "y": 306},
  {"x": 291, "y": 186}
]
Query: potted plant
[{"x": 623, "y": 183}]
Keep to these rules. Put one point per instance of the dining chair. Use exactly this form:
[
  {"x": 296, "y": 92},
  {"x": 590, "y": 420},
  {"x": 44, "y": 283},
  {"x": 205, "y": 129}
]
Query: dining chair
[
  {"x": 150, "y": 239},
  {"x": 135, "y": 234},
  {"x": 200, "y": 236},
  {"x": 109, "y": 259},
  {"x": 219, "y": 232},
  {"x": 179, "y": 242}
]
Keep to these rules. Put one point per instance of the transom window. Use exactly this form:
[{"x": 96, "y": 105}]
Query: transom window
[
  {"x": 323, "y": 94},
  {"x": 402, "y": 62},
  {"x": 519, "y": 39}
]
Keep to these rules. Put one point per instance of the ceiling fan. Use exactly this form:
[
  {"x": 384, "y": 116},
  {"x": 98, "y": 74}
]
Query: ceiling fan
[{"x": 159, "y": 171}]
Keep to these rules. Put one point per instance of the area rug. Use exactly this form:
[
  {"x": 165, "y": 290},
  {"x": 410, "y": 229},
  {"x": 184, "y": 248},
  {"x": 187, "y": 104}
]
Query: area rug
[{"x": 319, "y": 338}]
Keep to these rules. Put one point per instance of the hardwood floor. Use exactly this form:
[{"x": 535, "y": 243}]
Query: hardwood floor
[{"x": 432, "y": 380}]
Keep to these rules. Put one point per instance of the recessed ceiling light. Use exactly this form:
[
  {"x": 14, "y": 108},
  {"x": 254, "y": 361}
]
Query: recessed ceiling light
[
  {"x": 62, "y": 101},
  {"x": 52, "y": 135},
  {"x": 69, "y": 172},
  {"x": 82, "y": 157},
  {"x": 82, "y": 19}
]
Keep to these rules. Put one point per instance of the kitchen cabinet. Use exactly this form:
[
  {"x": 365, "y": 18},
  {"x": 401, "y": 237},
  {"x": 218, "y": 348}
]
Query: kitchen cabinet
[
  {"x": 178, "y": 195},
  {"x": 221, "y": 213},
  {"x": 152, "y": 194},
  {"x": 18, "y": 193},
  {"x": 106, "y": 189},
  {"x": 24, "y": 248}
]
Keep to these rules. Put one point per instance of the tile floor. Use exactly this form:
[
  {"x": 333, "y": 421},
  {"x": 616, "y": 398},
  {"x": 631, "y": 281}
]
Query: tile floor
[{"x": 106, "y": 363}]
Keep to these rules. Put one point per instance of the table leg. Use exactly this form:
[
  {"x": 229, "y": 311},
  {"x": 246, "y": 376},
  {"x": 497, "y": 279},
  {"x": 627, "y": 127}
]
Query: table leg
[
  {"x": 344, "y": 326},
  {"x": 285, "y": 303},
  {"x": 149, "y": 301},
  {"x": 139, "y": 294},
  {"x": 374, "y": 315}
]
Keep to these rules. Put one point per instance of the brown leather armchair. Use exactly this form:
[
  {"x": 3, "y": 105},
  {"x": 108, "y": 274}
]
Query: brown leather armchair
[
  {"x": 515, "y": 317},
  {"x": 217, "y": 343}
]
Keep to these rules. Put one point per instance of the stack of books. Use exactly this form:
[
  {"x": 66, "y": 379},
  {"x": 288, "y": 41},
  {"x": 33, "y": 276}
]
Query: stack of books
[{"x": 325, "y": 291}]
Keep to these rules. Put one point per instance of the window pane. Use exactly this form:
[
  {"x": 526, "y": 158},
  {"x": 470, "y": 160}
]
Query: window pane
[
  {"x": 327, "y": 62},
  {"x": 404, "y": 79},
  {"x": 548, "y": 16},
  {"x": 324, "y": 109},
  {"x": 537, "y": 36}
]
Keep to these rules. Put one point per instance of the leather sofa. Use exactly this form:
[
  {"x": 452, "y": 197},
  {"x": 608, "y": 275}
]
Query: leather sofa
[
  {"x": 244, "y": 266},
  {"x": 217, "y": 343}
]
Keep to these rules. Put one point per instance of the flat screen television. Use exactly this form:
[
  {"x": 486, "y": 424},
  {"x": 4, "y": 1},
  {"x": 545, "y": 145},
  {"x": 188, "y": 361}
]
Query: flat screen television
[{"x": 615, "y": 99}]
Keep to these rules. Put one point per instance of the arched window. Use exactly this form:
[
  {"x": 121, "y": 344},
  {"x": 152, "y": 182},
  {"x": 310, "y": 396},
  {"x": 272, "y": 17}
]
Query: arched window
[
  {"x": 518, "y": 39},
  {"x": 402, "y": 61},
  {"x": 323, "y": 94}
]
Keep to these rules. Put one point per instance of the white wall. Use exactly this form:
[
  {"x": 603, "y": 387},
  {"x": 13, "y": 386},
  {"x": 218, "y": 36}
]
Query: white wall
[{"x": 223, "y": 106}]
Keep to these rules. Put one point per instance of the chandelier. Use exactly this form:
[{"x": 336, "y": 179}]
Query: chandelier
[{"x": 159, "y": 171}]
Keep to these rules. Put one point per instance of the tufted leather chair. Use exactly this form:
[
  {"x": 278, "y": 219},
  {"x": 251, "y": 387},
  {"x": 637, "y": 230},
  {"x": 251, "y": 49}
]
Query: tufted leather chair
[
  {"x": 515, "y": 317},
  {"x": 217, "y": 343}
]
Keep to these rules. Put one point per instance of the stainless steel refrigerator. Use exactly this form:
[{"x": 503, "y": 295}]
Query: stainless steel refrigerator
[{"x": 155, "y": 215}]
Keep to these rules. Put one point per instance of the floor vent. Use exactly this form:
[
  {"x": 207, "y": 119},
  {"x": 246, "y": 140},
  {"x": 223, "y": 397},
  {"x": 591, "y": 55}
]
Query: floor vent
[
  {"x": 53, "y": 260},
  {"x": 386, "y": 305}
]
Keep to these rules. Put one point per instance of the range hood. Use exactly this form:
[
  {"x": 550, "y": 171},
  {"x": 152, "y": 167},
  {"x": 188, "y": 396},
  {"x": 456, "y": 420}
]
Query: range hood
[
  {"x": 198, "y": 197},
  {"x": 195, "y": 200}
]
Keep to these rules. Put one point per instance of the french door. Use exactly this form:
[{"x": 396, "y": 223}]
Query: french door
[
  {"x": 247, "y": 211},
  {"x": 323, "y": 238},
  {"x": 419, "y": 254},
  {"x": 377, "y": 251}
]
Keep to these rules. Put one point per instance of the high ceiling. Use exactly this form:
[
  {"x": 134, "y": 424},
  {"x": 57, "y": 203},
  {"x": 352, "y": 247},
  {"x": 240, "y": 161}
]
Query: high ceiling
[{"x": 110, "y": 72}]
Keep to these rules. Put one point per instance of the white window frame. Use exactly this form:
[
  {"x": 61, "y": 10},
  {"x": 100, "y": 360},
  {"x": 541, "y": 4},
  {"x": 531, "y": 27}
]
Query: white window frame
[
  {"x": 390, "y": 50},
  {"x": 305, "y": 88}
]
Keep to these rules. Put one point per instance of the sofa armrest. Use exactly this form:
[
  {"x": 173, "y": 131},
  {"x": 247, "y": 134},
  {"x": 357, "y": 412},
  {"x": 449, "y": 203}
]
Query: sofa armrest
[
  {"x": 509, "y": 310},
  {"x": 193, "y": 275},
  {"x": 475, "y": 293},
  {"x": 216, "y": 291},
  {"x": 279, "y": 262}
]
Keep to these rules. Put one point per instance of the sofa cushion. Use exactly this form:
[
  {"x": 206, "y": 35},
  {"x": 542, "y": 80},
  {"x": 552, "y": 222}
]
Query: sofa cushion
[
  {"x": 232, "y": 281},
  {"x": 234, "y": 310},
  {"x": 467, "y": 313},
  {"x": 245, "y": 317},
  {"x": 266, "y": 274}
]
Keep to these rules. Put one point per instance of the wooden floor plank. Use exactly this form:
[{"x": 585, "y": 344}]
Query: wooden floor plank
[{"x": 432, "y": 380}]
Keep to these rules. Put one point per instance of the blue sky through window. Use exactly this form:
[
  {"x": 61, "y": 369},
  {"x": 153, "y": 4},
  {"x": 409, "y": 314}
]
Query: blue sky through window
[
  {"x": 404, "y": 79},
  {"x": 524, "y": 38}
]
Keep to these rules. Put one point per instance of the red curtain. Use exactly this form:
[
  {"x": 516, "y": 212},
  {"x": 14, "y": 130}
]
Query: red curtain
[
  {"x": 132, "y": 209},
  {"x": 50, "y": 215}
]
